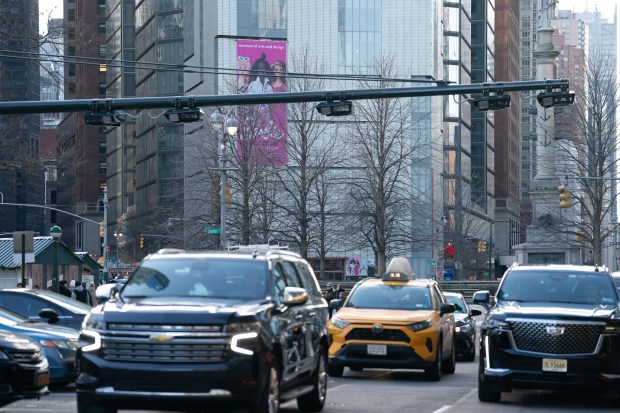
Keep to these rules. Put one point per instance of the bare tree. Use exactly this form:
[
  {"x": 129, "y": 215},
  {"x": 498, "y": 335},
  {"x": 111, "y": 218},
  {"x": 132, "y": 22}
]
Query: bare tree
[
  {"x": 588, "y": 156},
  {"x": 311, "y": 142},
  {"x": 380, "y": 144}
]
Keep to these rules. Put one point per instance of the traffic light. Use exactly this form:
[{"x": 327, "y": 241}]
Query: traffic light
[
  {"x": 482, "y": 246},
  {"x": 141, "y": 243},
  {"x": 564, "y": 196},
  {"x": 101, "y": 229},
  {"x": 579, "y": 236}
]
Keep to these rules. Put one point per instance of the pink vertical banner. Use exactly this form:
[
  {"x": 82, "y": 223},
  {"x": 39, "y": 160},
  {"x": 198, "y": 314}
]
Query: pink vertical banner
[{"x": 261, "y": 68}]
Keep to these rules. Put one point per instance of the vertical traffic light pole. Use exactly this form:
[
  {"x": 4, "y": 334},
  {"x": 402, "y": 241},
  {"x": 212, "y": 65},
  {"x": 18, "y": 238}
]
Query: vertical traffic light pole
[{"x": 105, "y": 234}]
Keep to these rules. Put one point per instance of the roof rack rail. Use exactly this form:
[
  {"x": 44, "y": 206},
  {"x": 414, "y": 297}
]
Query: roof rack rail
[{"x": 258, "y": 247}]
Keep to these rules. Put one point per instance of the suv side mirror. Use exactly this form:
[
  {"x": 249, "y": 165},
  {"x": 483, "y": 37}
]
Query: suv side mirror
[
  {"x": 482, "y": 297},
  {"x": 105, "y": 292},
  {"x": 474, "y": 312},
  {"x": 295, "y": 296},
  {"x": 50, "y": 315}
]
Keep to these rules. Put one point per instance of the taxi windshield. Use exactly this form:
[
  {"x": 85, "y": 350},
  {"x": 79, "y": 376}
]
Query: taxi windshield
[{"x": 390, "y": 297}]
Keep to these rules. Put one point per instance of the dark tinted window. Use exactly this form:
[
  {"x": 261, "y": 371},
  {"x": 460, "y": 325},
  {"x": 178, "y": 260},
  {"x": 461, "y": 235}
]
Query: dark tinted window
[
  {"x": 209, "y": 277},
  {"x": 558, "y": 286},
  {"x": 292, "y": 279},
  {"x": 309, "y": 280}
]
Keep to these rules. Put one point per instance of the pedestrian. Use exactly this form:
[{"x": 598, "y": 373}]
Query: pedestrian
[
  {"x": 20, "y": 285},
  {"x": 339, "y": 289},
  {"x": 80, "y": 293},
  {"x": 330, "y": 294},
  {"x": 63, "y": 289}
]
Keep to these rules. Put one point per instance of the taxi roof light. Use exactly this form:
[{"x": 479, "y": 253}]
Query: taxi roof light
[{"x": 396, "y": 276}]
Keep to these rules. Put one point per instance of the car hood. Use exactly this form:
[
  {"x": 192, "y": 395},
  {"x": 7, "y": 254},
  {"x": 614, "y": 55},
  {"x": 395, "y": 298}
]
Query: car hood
[
  {"x": 403, "y": 317},
  {"x": 43, "y": 331},
  {"x": 460, "y": 316},
  {"x": 14, "y": 341},
  {"x": 563, "y": 310},
  {"x": 168, "y": 310}
]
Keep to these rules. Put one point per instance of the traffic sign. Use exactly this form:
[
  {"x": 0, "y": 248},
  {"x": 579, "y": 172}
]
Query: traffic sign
[{"x": 214, "y": 231}]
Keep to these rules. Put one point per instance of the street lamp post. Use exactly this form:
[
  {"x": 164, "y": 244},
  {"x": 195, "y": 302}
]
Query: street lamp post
[
  {"x": 231, "y": 124},
  {"x": 104, "y": 243},
  {"x": 56, "y": 233}
]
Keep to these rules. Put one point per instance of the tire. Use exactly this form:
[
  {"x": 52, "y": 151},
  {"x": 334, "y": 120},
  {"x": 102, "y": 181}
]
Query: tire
[
  {"x": 335, "y": 371},
  {"x": 83, "y": 407},
  {"x": 485, "y": 394},
  {"x": 485, "y": 391},
  {"x": 434, "y": 373},
  {"x": 471, "y": 356},
  {"x": 315, "y": 400},
  {"x": 270, "y": 398},
  {"x": 449, "y": 365}
]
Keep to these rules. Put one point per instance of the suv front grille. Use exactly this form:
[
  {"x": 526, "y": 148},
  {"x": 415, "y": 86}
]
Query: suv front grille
[
  {"x": 165, "y": 344},
  {"x": 545, "y": 337},
  {"x": 366, "y": 334}
]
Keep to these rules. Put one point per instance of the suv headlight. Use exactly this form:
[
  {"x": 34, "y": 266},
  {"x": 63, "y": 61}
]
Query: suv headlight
[
  {"x": 243, "y": 337},
  {"x": 64, "y": 344},
  {"x": 90, "y": 340},
  {"x": 420, "y": 325},
  {"x": 339, "y": 323}
]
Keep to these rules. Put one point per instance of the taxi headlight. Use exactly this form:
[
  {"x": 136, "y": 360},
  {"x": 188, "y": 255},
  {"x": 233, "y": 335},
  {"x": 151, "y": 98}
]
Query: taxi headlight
[
  {"x": 339, "y": 323},
  {"x": 421, "y": 325}
]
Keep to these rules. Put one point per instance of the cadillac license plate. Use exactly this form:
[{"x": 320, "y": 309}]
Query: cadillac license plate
[
  {"x": 377, "y": 349},
  {"x": 556, "y": 365}
]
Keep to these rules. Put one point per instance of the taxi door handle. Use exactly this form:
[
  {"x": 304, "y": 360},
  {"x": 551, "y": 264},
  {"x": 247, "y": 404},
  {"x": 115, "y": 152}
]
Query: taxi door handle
[{"x": 299, "y": 316}]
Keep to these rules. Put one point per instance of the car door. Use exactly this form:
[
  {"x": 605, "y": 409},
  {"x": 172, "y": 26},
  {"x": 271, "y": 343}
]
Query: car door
[
  {"x": 297, "y": 334},
  {"x": 447, "y": 321},
  {"x": 317, "y": 312}
]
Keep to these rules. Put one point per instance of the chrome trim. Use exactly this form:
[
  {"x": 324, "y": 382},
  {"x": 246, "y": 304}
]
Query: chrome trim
[{"x": 212, "y": 393}]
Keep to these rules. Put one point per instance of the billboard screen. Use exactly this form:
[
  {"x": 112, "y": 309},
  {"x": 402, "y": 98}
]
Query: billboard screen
[{"x": 261, "y": 68}]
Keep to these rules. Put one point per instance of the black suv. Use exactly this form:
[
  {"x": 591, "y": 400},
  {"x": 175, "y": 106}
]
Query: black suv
[
  {"x": 197, "y": 329},
  {"x": 550, "y": 327}
]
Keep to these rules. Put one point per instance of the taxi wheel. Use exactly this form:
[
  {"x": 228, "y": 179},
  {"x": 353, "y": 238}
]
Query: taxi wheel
[
  {"x": 335, "y": 371},
  {"x": 449, "y": 365},
  {"x": 434, "y": 373}
]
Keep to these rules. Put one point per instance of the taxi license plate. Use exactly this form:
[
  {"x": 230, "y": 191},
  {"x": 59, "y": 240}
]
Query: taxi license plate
[
  {"x": 43, "y": 379},
  {"x": 377, "y": 349},
  {"x": 556, "y": 365}
]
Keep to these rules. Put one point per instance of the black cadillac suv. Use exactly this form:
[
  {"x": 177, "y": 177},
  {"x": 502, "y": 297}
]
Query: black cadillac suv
[
  {"x": 200, "y": 329},
  {"x": 550, "y": 327}
]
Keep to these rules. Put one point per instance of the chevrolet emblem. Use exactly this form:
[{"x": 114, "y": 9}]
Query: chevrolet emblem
[
  {"x": 159, "y": 338},
  {"x": 555, "y": 331}
]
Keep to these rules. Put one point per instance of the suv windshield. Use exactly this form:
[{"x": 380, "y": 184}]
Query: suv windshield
[
  {"x": 558, "y": 286},
  {"x": 212, "y": 277},
  {"x": 390, "y": 297}
]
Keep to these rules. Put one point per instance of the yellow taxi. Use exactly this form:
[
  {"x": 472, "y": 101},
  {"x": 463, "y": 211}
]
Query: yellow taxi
[{"x": 396, "y": 322}]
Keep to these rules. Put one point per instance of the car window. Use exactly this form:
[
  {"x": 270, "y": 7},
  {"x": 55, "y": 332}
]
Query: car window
[
  {"x": 558, "y": 286},
  {"x": 309, "y": 281},
  {"x": 223, "y": 278},
  {"x": 27, "y": 305},
  {"x": 459, "y": 304},
  {"x": 390, "y": 297},
  {"x": 290, "y": 274},
  {"x": 279, "y": 283}
]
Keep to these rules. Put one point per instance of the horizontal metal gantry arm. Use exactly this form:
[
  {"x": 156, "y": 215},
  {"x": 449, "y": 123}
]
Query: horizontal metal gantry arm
[{"x": 84, "y": 105}]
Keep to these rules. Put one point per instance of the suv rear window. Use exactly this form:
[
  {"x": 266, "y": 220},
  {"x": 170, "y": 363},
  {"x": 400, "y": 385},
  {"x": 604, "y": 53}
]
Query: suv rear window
[{"x": 211, "y": 277}]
